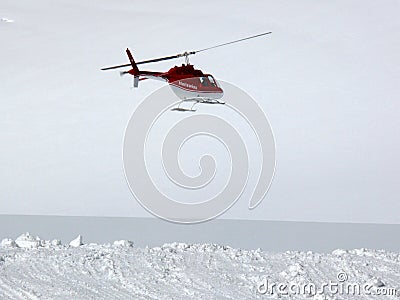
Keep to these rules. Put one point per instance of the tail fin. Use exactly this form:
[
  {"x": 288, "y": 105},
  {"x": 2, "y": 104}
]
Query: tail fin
[{"x": 135, "y": 69}]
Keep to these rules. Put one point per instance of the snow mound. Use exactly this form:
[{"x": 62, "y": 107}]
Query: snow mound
[
  {"x": 26, "y": 240},
  {"x": 123, "y": 243},
  {"x": 29, "y": 241},
  {"x": 77, "y": 242},
  {"x": 56, "y": 242},
  {"x": 8, "y": 243},
  {"x": 339, "y": 252}
]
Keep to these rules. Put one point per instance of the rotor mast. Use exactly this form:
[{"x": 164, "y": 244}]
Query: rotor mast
[{"x": 186, "y": 55}]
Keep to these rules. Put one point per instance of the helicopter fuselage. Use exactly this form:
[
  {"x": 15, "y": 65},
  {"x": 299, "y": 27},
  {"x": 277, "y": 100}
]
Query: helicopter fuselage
[{"x": 186, "y": 82}]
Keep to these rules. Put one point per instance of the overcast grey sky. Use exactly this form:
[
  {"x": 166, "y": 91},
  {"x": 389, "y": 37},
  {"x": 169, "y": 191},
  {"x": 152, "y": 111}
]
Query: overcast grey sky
[{"x": 327, "y": 78}]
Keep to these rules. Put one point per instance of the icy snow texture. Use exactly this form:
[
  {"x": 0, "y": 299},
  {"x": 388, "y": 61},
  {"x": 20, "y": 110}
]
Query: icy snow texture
[
  {"x": 120, "y": 270},
  {"x": 76, "y": 242}
]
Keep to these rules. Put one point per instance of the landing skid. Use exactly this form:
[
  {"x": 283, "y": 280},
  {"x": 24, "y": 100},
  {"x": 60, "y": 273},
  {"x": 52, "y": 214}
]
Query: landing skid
[
  {"x": 212, "y": 101},
  {"x": 196, "y": 101},
  {"x": 182, "y": 109}
]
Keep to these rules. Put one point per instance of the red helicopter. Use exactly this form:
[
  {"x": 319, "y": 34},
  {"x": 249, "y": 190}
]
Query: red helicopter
[{"x": 188, "y": 83}]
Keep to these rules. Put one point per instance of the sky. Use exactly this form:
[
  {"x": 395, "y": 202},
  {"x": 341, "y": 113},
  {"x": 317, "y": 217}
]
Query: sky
[{"x": 327, "y": 79}]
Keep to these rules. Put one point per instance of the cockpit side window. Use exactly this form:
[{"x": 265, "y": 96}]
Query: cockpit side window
[{"x": 204, "y": 81}]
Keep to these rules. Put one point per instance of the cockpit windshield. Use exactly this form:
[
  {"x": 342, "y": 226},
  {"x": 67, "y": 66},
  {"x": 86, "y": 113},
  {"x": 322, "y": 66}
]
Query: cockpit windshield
[
  {"x": 212, "y": 81},
  {"x": 208, "y": 81}
]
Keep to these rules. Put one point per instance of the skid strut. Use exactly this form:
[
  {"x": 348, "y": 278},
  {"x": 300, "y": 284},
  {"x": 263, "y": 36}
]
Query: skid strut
[{"x": 196, "y": 101}]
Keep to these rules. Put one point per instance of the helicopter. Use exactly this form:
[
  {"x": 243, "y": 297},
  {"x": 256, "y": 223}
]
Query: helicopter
[{"x": 188, "y": 84}]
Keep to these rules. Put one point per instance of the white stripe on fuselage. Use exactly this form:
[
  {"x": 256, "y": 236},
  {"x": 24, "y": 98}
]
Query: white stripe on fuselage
[
  {"x": 159, "y": 78},
  {"x": 183, "y": 93}
]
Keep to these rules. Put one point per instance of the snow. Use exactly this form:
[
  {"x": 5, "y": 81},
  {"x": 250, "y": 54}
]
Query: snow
[
  {"x": 56, "y": 242},
  {"x": 26, "y": 240},
  {"x": 39, "y": 269},
  {"x": 8, "y": 243},
  {"x": 76, "y": 242},
  {"x": 339, "y": 252},
  {"x": 123, "y": 243}
]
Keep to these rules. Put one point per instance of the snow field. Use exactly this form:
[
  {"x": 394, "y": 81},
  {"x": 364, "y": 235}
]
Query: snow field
[{"x": 32, "y": 268}]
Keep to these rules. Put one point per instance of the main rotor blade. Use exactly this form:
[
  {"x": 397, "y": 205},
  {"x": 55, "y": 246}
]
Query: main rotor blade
[
  {"x": 144, "y": 62},
  {"x": 158, "y": 59},
  {"x": 115, "y": 67},
  {"x": 185, "y": 53},
  {"x": 240, "y": 40}
]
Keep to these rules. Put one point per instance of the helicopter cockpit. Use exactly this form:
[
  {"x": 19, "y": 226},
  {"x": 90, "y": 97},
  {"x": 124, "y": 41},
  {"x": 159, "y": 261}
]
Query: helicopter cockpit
[{"x": 208, "y": 80}]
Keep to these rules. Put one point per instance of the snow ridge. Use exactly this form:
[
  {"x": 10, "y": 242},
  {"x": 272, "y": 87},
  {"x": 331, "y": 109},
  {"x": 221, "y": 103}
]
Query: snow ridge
[{"x": 32, "y": 268}]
